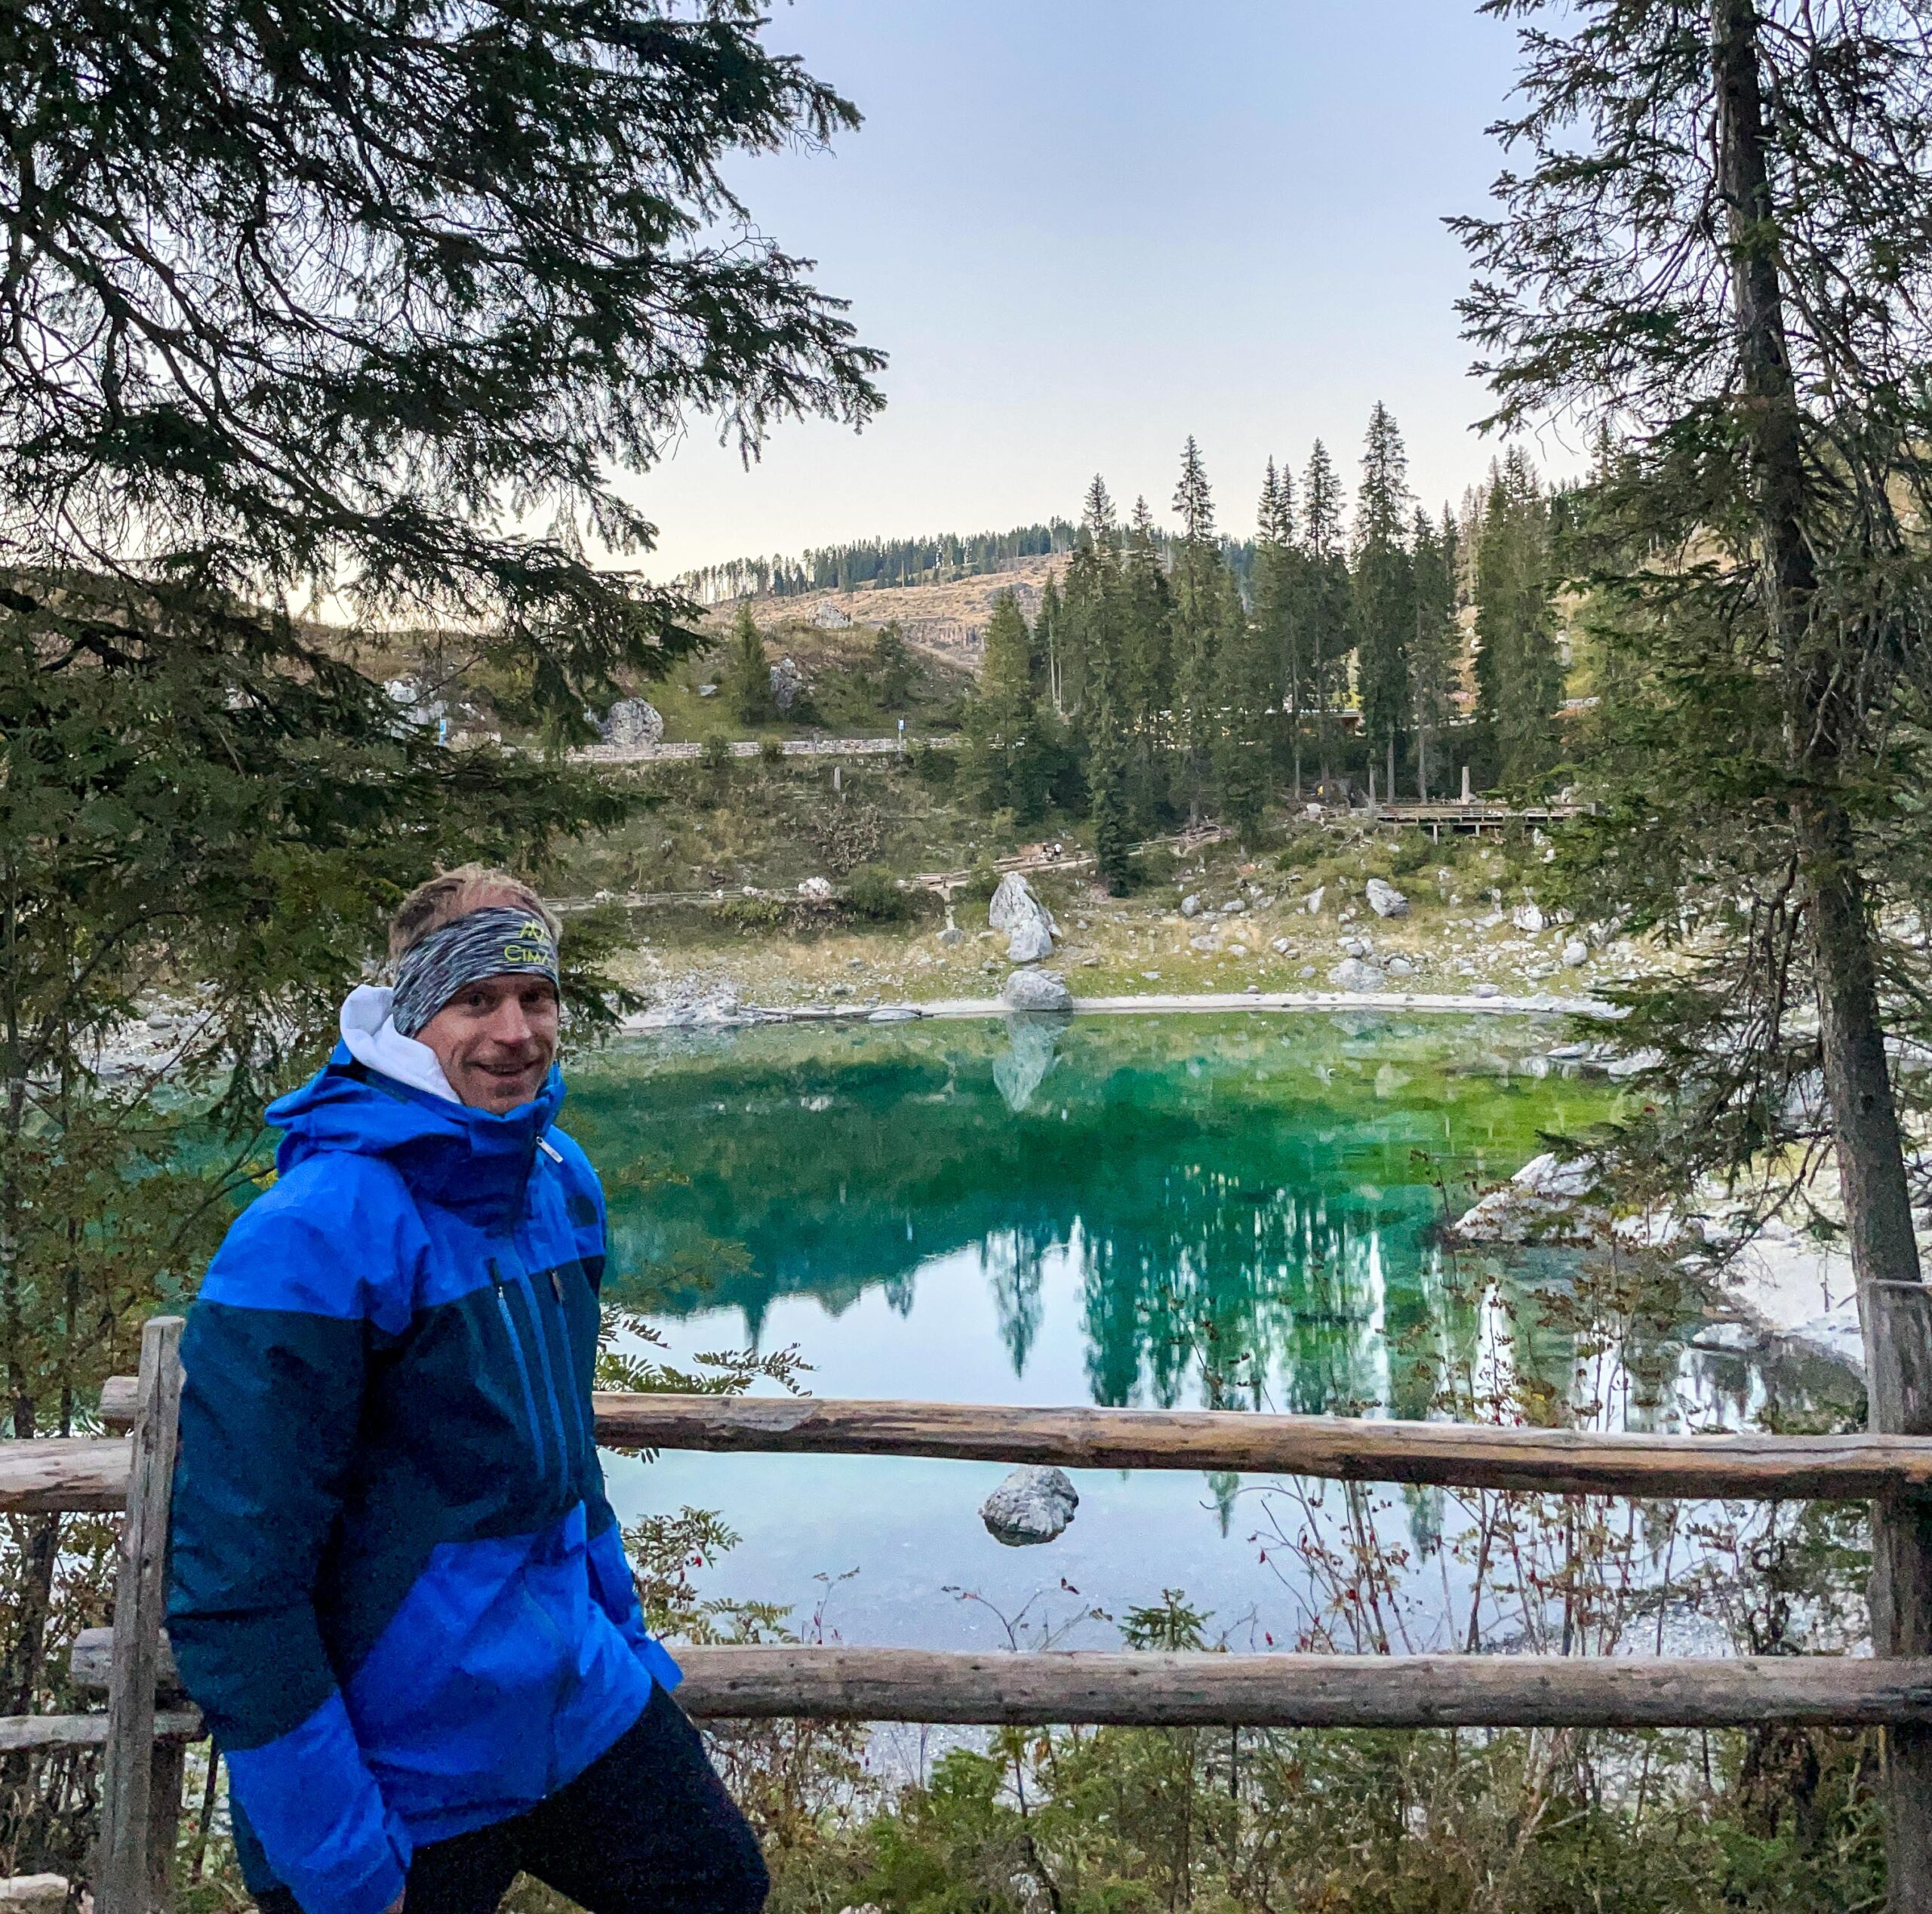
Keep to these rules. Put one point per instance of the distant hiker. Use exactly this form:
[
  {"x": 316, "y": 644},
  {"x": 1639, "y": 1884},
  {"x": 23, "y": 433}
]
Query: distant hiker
[{"x": 400, "y": 1596}]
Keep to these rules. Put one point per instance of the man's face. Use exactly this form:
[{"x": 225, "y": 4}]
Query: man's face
[{"x": 495, "y": 1040}]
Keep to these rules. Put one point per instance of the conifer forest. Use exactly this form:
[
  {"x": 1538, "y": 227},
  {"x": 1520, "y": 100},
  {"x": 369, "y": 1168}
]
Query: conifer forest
[{"x": 1421, "y": 954}]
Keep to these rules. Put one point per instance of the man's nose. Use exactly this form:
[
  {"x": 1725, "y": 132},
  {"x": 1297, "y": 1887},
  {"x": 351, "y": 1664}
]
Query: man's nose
[{"x": 508, "y": 1024}]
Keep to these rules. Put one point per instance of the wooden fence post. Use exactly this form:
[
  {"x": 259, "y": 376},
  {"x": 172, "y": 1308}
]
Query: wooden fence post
[
  {"x": 1899, "y": 1340},
  {"x": 126, "y": 1882}
]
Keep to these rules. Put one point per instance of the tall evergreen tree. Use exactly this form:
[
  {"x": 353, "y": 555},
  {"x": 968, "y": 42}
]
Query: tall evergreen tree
[
  {"x": 1050, "y": 643},
  {"x": 1279, "y": 589},
  {"x": 1146, "y": 611},
  {"x": 1245, "y": 683},
  {"x": 892, "y": 667},
  {"x": 746, "y": 680},
  {"x": 1383, "y": 592},
  {"x": 1325, "y": 614},
  {"x": 1519, "y": 674},
  {"x": 1432, "y": 651},
  {"x": 1719, "y": 241},
  {"x": 324, "y": 301},
  {"x": 1008, "y": 750},
  {"x": 1200, "y": 616}
]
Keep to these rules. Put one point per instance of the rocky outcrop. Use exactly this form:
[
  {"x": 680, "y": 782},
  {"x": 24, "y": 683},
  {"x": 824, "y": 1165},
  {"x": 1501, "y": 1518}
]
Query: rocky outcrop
[
  {"x": 1029, "y": 927},
  {"x": 1036, "y": 990},
  {"x": 788, "y": 684},
  {"x": 1386, "y": 900},
  {"x": 1033, "y": 1504},
  {"x": 633, "y": 724},
  {"x": 1543, "y": 1202}
]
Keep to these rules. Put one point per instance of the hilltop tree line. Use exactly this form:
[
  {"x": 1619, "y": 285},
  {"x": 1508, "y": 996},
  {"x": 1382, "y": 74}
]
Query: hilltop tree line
[
  {"x": 1168, "y": 676},
  {"x": 877, "y": 562}
]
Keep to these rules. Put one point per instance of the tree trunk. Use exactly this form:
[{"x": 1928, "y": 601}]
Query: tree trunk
[
  {"x": 1864, "y": 1117},
  {"x": 1865, "y": 1125}
]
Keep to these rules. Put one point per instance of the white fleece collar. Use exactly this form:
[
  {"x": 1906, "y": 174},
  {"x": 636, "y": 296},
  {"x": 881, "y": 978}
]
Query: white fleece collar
[{"x": 374, "y": 1041}]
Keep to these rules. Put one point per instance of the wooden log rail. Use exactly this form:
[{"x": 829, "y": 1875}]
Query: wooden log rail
[
  {"x": 1454, "y": 1455},
  {"x": 1892, "y": 1689},
  {"x": 1272, "y": 1691}
]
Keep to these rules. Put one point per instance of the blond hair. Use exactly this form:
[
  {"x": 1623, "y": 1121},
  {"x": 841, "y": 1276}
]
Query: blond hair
[{"x": 452, "y": 894}]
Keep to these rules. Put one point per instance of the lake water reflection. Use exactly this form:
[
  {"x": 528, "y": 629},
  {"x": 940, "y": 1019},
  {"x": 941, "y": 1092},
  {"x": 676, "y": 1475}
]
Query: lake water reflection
[{"x": 1238, "y": 1211}]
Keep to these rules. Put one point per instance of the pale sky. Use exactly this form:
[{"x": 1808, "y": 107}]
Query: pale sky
[{"x": 1084, "y": 229}]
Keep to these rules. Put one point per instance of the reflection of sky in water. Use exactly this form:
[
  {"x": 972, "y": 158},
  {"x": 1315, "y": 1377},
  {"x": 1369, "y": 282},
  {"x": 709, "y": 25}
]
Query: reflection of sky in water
[{"x": 1237, "y": 1211}]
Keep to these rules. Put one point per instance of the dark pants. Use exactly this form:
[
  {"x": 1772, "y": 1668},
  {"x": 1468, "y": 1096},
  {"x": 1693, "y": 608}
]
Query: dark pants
[{"x": 647, "y": 1829}]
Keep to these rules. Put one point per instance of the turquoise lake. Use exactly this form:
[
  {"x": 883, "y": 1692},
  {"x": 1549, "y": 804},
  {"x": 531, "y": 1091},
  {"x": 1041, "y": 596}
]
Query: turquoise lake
[{"x": 1239, "y": 1212}]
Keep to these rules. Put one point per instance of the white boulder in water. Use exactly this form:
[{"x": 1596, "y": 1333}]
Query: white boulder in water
[
  {"x": 1542, "y": 1202},
  {"x": 1036, "y": 990},
  {"x": 1029, "y": 926},
  {"x": 1033, "y": 1504},
  {"x": 1386, "y": 900}
]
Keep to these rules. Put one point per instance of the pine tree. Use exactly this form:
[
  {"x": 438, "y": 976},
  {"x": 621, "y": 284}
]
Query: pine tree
[
  {"x": 1519, "y": 674},
  {"x": 1199, "y": 617},
  {"x": 1716, "y": 239},
  {"x": 1383, "y": 592},
  {"x": 1278, "y": 589},
  {"x": 1244, "y": 684},
  {"x": 374, "y": 306},
  {"x": 1009, "y": 751},
  {"x": 891, "y": 667},
  {"x": 1146, "y": 613},
  {"x": 746, "y": 680},
  {"x": 1324, "y": 608},
  {"x": 1432, "y": 651}
]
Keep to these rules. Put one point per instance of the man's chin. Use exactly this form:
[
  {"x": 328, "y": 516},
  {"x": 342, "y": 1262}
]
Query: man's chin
[{"x": 500, "y": 1095}]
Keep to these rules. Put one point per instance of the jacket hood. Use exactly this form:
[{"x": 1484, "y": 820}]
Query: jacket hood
[{"x": 468, "y": 1160}]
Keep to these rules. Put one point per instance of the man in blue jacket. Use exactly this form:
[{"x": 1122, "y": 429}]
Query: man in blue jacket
[{"x": 399, "y": 1594}]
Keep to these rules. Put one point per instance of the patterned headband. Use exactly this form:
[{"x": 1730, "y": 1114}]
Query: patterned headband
[{"x": 499, "y": 942}]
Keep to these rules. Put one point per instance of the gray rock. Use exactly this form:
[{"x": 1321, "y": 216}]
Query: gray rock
[
  {"x": 1314, "y": 897},
  {"x": 1487, "y": 990},
  {"x": 1280, "y": 947},
  {"x": 1351, "y": 973},
  {"x": 787, "y": 682},
  {"x": 1401, "y": 967},
  {"x": 1190, "y": 905},
  {"x": 1528, "y": 919},
  {"x": 1029, "y": 924},
  {"x": 894, "y": 1013},
  {"x": 952, "y": 936},
  {"x": 1576, "y": 953},
  {"x": 633, "y": 724},
  {"x": 1036, "y": 990},
  {"x": 1356, "y": 947},
  {"x": 707, "y": 690},
  {"x": 1030, "y": 942},
  {"x": 1033, "y": 1504},
  {"x": 816, "y": 890},
  {"x": 1233, "y": 907},
  {"x": 1386, "y": 900}
]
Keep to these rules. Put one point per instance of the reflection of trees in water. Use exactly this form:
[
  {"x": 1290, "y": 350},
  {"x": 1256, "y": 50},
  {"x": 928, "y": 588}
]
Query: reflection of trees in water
[{"x": 1247, "y": 1217}]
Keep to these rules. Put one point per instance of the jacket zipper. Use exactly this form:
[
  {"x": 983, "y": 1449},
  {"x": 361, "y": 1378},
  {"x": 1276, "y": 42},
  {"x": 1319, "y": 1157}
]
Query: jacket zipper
[
  {"x": 566, "y": 1383},
  {"x": 522, "y": 1366},
  {"x": 529, "y": 1289}
]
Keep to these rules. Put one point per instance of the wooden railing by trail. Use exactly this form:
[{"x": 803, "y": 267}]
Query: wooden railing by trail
[
  {"x": 1892, "y": 1688},
  {"x": 1272, "y": 1691},
  {"x": 1336, "y": 1448}
]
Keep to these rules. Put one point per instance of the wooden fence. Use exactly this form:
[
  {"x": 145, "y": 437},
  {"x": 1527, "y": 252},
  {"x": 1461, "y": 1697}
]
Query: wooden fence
[{"x": 146, "y": 1726}]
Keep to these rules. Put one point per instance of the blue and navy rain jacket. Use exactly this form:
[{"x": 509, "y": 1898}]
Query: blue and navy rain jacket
[{"x": 398, "y": 1593}]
